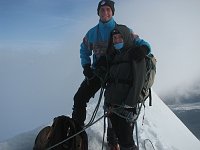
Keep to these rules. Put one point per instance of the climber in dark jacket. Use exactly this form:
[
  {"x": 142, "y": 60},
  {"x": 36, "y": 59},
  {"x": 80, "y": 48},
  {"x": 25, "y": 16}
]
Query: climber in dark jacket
[{"x": 127, "y": 75}]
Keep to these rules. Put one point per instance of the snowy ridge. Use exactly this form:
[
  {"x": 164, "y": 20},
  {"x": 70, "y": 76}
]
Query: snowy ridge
[
  {"x": 160, "y": 125},
  {"x": 163, "y": 126}
]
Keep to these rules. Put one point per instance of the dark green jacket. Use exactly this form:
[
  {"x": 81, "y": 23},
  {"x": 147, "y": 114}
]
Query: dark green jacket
[{"x": 126, "y": 75}]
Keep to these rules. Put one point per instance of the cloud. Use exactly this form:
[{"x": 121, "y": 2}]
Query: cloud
[
  {"x": 173, "y": 35},
  {"x": 183, "y": 94}
]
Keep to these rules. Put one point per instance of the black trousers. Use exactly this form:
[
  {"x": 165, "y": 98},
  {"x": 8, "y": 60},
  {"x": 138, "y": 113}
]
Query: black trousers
[
  {"x": 87, "y": 89},
  {"x": 123, "y": 130}
]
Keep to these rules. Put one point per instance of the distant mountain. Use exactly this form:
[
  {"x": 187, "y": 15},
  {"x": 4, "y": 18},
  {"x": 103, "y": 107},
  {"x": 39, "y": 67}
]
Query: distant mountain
[
  {"x": 189, "y": 115},
  {"x": 185, "y": 103}
]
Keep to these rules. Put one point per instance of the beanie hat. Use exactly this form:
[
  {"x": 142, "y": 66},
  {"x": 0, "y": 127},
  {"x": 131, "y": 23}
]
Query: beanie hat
[
  {"x": 106, "y": 3},
  {"x": 115, "y": 31}
]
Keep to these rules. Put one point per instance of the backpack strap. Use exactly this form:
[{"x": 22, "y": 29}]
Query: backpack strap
[{"x": 150, "y": 97}]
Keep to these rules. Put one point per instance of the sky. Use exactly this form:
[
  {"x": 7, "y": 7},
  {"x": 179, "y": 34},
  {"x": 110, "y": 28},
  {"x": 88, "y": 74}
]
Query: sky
[
  {"x": 158, "y": 126},
  {"x": 39, "y": 52}
]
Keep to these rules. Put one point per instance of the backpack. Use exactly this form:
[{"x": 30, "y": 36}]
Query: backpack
[
  {"x": 149, "y": 79},
  {"x": 62, "y": 128}
]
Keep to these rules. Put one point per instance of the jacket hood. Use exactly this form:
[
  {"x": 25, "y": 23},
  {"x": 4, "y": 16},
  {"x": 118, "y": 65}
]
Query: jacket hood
[{"x": 126, "y": 34}]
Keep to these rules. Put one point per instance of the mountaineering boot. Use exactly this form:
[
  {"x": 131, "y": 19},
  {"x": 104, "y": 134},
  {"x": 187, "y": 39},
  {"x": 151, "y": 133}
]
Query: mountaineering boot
[
  {"x": 129, "y": 148},
  {"x": 114, "y": 147}
]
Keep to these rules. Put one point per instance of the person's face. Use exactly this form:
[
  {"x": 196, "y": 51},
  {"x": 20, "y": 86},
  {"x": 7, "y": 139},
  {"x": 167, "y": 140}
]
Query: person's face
[
  {"x": 105, "y": 13},
  {"x": 117, "y": 38}
]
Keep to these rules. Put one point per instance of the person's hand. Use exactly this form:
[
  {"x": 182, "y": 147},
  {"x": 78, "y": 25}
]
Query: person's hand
[
  {"x": 138, "y": 53},
  {"x": 102, "y": 61},
  {"x": 87, "y": 71}
]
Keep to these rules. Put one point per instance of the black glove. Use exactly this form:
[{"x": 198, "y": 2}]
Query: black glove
[
  {"x": 138, "y": 53},
  {"x": 87, "y": 71},
  {"x": 102, "y": 61}
]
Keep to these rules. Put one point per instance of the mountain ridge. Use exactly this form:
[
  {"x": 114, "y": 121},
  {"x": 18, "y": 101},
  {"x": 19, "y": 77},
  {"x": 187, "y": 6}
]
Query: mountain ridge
[{"x": 160, "y": 125}]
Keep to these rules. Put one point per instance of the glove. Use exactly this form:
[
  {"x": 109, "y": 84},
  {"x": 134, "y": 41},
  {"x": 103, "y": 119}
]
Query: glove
[
  {"x": 139, "y": 53},
  {"x": 102, "y": 61},
  {"x": 87, "y": 71}
]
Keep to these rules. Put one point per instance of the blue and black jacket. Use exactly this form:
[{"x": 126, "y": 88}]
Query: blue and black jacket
[{"x": 96, "y": 41}]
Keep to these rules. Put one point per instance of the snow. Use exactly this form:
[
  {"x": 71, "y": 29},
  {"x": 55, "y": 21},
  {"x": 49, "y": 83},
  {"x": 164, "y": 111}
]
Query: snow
[{"x": 160, "y": 125}]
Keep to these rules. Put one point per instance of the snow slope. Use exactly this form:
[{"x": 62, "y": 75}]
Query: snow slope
[{"x": 160, "y": 125}]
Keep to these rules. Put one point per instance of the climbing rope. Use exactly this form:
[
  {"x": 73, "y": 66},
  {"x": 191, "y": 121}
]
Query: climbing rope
[
  {"x": 91, "y": 122},
  {"x": 145, "y": 141},
  {"x": 76, "y": 133}
]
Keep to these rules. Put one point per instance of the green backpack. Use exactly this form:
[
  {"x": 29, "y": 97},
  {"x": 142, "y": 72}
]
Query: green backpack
[{"x": 149, "y": 79}]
